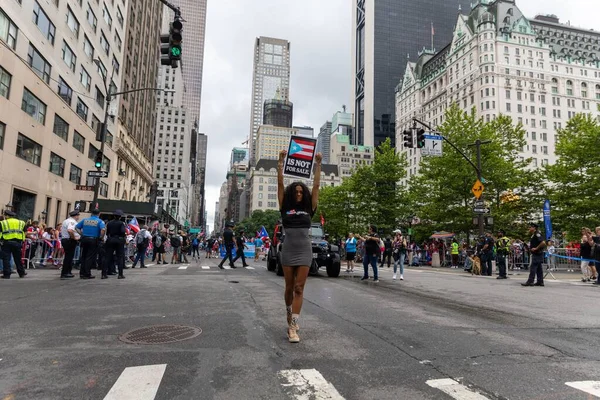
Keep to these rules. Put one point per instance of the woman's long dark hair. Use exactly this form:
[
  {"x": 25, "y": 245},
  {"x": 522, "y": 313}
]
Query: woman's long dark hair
[{"x": 289, "y": 198}]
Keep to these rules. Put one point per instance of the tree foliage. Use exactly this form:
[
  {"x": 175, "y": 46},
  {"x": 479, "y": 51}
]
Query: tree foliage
[
  {"x": 441, "y": 194},
  {"x": 574, "y": 181},
  {"x": 258, "y": 219},
  {"x": 371, "y": 195}
]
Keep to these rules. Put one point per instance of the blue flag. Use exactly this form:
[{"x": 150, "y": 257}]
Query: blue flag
[
  {"x": 547, "y": 221},
  {"x": 263, "y": 232}
]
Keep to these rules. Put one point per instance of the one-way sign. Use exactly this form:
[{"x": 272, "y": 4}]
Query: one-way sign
[
  {"x": 481, "y": 210},
  {"x": 97, "y": 174}
]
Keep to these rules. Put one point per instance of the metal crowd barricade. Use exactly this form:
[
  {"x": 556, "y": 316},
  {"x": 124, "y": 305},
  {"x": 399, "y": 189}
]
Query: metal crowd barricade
[
  {"x": 564, "y": 259},
  {"x": 35, "y": 253},
  {"x": 518, "y": 258}
]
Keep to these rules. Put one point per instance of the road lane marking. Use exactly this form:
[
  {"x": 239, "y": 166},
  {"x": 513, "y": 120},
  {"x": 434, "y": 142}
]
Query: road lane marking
[
  {"x": 137, "y": 383},
  {"x": 226, "y": 267},
  {"x": 591, "y": 387},
  {"x": 455, "y": 390},
  {"x": 249, "y": 267},
  {"x": 309, "y": 384},
  {"x": 205, "y": 267},
  {"x": 183, "y": 267}
]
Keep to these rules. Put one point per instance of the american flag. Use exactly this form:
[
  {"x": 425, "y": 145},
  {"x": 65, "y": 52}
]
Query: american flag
[{"x": 303, "y": 149}]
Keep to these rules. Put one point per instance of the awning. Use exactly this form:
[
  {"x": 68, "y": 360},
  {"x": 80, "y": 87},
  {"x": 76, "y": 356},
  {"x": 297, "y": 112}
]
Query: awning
[{"x": 442, "y": 235}]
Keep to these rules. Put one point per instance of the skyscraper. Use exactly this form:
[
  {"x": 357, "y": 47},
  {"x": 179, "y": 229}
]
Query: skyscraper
[
  {"x": 385, "y": 33},
  {"x": 270, "y": 80},
  {"x": 194, "y": 13},
  {"x": 323, "y": 141}
]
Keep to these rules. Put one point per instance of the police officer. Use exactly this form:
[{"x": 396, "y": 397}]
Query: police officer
[
  {"x": 240, "y": 242},
  {"x": 536, "y": 247},
  {"x": 115, "y": 245},
  {"x": 228, "y": 240},
  {"x": 487, "y": 255},
  {"x": 454, "y": 253},
  {"x": 502, "y": 252},
  {"x": 69, "y": 242},
  {"x": 12, "y": 235},
  {"x": 92, "y": 231}
]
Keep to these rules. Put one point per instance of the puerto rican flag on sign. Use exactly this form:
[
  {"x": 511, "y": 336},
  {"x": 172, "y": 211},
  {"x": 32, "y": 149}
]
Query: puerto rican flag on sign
[
  {"x": 303, "y": 149},
  {"x": 301, "y": 153}
]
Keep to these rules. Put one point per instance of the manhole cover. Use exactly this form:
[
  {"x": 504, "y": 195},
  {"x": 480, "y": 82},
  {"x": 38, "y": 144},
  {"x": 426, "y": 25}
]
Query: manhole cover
[{"x": 160, "y": 334}]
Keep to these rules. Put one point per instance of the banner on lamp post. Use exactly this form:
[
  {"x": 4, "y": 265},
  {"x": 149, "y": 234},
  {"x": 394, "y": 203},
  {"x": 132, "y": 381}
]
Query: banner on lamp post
[{"x": 547, "y": 220}]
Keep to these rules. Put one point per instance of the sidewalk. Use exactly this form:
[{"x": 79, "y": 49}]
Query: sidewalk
[{"x": 559, "y": 275}]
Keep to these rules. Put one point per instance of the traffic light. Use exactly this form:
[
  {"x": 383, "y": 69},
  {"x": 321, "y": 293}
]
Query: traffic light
[
  {"x": 421, "y": 138},
  {"x": 98, "y": 160},
  {"x": 408, "y": 138},
  {"x": 170, "y": 44}
]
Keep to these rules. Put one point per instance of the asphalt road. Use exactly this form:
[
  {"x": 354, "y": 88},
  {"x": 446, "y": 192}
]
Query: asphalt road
[{"x": 436, "y": 335}]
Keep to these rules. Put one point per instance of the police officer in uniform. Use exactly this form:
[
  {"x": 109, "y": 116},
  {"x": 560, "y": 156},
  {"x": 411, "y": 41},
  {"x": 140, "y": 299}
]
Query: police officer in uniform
[
  {"x": 536, "y": 246},
  {"x": 240, "y": 243},
  {"x": 502, "y": 251},
  {"x": 487, "y": 255},
  {"x": 92, "y": 231},
  {"x": 115, "y": 245},
  {"x": 69, "y": 243},
  {"x": 12, "y": 235},
  {"x": 228, "y": 239}
]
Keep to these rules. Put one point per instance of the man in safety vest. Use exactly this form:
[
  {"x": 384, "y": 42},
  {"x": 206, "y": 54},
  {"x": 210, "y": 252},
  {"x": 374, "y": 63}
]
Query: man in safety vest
[
  {"x": 502, "y": 252},
  {"x": 454, "y": 253},
  {"x": 12, "y": 235}
]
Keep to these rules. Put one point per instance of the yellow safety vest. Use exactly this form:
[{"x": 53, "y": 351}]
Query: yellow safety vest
[
  {"x": 12, "y": 228},
  {"x": 454, "y": 248}
]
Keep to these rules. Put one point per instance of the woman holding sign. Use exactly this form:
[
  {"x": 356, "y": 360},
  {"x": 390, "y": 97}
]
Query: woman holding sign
[{"x": 297, "y": 205}]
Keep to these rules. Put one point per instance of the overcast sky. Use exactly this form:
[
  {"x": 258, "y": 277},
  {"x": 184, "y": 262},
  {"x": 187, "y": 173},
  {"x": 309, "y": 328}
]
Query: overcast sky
[{"x": 320, "y": 36}]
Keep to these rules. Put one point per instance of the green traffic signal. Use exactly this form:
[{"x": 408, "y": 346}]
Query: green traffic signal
[{"x": 176, "y": 51}]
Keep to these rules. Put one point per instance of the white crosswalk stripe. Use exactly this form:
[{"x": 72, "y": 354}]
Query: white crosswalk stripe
[
  {"x": 590, "y": 387},
  {"x": 183, "y": 267},
  {"x": 308, "y": 384},
  {"x": 455, "y": 390},
  {"x": 137, "y": 383},
  {"x": 205, "y": 267},
  {"x": 249, "y": 267}
]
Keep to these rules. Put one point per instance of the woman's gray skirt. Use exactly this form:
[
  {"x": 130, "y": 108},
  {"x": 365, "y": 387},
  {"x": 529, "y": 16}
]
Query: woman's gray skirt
[{"x": 297, "y": 248}]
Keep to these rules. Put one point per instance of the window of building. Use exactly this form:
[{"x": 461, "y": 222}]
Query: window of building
[
  {"x": 72, "y": 22},
  {"x": 584, "y": 90},
  {"x": 39, "y": 64},
  {"x": 119, "y": 16},
  {"x": 8, "y": 30},
  {"x": 116, "y": 65},
  {"x": 91, "y": 18},
  {"x": 103, "y": 189},
  {"x": 85, "y": 79},
  {"x": 2, "y": 130},
  {"x": 57, "y": 164},
  {"x": 104, "y": 43},
  {"x": 88, "y": 49},
  {"x": 5, "y": 79},
  {"x": 99, "y": 97},
  {"x": 118, "y": 41},
  {"x": 64, "y": 90},
  {"x": 569, "y": 88},
  {"x": 101, "y": 68},
  {"x": 106, "y": 16},
  {"x": 78, "y": 142},
  {"x": 61, "y": 128},
  {"x": 82, "y": 109},
  {"x": 33, "y": 106},
  {"x": 29, "y": 150},
  {"x": 75, "y": 174},
  {"x": 68, "y": 56},
  {"x": 40, "y": 18}
]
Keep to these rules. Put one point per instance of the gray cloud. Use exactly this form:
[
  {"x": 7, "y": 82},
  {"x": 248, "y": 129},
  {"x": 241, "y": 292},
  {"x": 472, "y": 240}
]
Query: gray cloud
[{"x": 320, "y": 35}]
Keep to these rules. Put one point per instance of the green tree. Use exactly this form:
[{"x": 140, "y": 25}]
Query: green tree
[
  {"x": 441, "y": 194},
  {"x": 574, "y": 181},
  {"x": 371, "y": 195},
  {"x": 258, "y": 219}
]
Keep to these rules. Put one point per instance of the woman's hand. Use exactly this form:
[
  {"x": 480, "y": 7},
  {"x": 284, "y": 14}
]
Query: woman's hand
[
  {"x": 282, "y": 155},
  {"x": 319, "y": 158}
]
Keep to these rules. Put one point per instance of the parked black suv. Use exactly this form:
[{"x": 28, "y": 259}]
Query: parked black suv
[{"x": 324, "y": 254}]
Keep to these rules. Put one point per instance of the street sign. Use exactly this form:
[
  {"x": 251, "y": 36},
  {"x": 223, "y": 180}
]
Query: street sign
[
  {"x": 479, "y": 203},
  {"x": 481, "y": 210},
  {"x": 477, "y": 189},
  {"x": 433, "y": 146},
  {"x": 84, "y": 187},
  {"x": 97, "y": 174}
]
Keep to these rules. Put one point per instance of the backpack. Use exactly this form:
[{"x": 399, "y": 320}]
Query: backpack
[
  {"x": 195, "y": 242},
  {"x": 158, "y": 241},
  {"x": 175, "y": 241},
  {"x": 141, "y": 239}
]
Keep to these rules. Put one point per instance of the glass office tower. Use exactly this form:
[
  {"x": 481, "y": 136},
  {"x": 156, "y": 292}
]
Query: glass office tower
[{"x": 385, "y": 34}]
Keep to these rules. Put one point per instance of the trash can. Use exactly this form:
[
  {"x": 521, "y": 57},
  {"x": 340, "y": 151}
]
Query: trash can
[{"x": 435, "y": 260}]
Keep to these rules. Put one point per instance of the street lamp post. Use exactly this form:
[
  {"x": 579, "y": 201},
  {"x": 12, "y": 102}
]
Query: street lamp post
[{"x": 109, "y": 97}]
